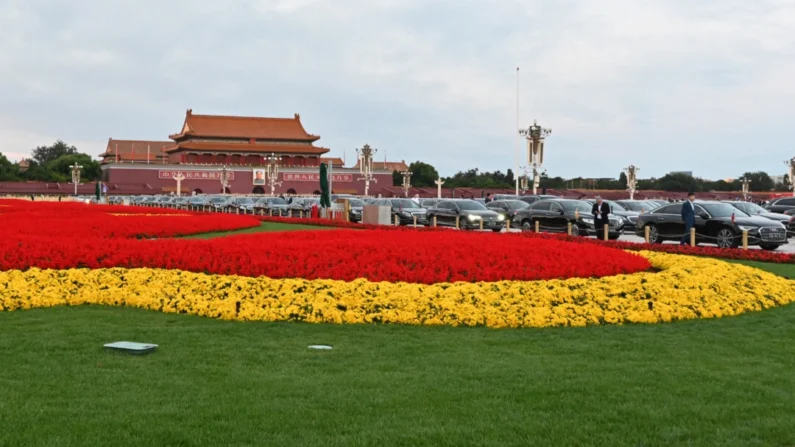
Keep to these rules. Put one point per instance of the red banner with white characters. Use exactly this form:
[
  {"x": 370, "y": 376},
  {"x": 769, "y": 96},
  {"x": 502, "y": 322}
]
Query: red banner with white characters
[
  {"x": 194, "y": 175},
  {"x": 314, "y": 177}
]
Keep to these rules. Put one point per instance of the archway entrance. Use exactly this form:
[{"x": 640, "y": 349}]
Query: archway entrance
[
  {"x": 198, "y": 191},
  {"x": 291, "y": 191},
  {"x": 317, "y": 193},
  {"x": 258, "y": 190}
]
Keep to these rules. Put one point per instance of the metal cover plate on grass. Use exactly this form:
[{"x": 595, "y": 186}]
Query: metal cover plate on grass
[
  {"x": 131, "y": 347},
  {"x": 320, "y": 347}
]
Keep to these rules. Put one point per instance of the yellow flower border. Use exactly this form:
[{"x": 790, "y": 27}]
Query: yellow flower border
[{"x": 684, "y": 288}]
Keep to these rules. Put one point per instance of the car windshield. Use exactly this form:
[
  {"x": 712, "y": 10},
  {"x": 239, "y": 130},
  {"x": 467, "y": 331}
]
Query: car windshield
[
  {"x": 277, "y": 201},
  {"x": 404, "y": 203},
  {"x": 751, "y": 208},
  {"x": 356, "y": 202},
  {"x": 577, "y": 205},
  {"x": 637, "y": 206},
  {"x": 615, "y": 206},
  {"x": 722, "y": 210},
  {"x": 471, "y": 205},
  {"x": 516, "y": 204},
  {"x": 245, "y": 201},
  {"x": 218, "y": 200}
]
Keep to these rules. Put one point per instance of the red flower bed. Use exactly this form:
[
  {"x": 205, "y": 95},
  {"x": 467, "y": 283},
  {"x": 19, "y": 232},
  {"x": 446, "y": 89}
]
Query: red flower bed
[
  {"x": 76, "y": 235},
  {"x": 19, "y": 218},
  {"x": 713, "y": 252}
]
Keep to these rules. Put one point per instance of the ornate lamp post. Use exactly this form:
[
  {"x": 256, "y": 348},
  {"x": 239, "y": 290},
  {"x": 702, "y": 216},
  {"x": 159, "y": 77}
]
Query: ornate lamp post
[
  {"x": 535, "y": 136},
  {"x": 272, "y": 171},
  {"x": 225, "y": 174},
  {"x": 746, "y": 187},
  {"x": 791, "y": 174},
  {"x": 632, "y": 180},
  {"x": 406, "y": 182},
  {"x": 76, "y": 175},
  {"x": 439, "y": 182},
  {"x": 365, "y": 155},
  {"x": 179, "y": 177}
]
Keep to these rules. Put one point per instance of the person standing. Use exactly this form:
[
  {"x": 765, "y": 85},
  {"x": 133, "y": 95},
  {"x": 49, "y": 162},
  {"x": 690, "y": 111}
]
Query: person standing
[
  {"x": 600, "y": 211},
  {"x": 688, "y": 216},
  {"x": 489, "y": 198}
]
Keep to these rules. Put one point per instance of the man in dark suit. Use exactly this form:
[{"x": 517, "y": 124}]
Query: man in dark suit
[
  {"x": 600, "y": 212},
  {"x": 688, "y": 217}
]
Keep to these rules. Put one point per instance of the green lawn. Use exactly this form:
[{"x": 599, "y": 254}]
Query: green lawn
[
  {"x": 785, "y": 270},
  {"x": 214, "y": 383},
  {"x": 264, "y": 227}
]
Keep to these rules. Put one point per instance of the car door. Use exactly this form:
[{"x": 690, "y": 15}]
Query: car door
[
  {"x": 702, "y": 224},
  {"x": 443, "y": 213},
  {"x": 539, "y": 213},
  {"x": 668, "y": 221},
  {"x": 555, "y": 218}
]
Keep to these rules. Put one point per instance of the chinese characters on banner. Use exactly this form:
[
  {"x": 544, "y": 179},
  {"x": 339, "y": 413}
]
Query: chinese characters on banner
[
  {"x": 194, "y": 175},
  {"x": 315, "y": 177}
]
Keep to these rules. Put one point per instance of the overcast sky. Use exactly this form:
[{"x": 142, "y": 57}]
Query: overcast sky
[{"x": 706, "y": 85}]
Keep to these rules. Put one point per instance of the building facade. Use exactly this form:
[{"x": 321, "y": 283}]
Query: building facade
[{"x": 246, "y": 148}]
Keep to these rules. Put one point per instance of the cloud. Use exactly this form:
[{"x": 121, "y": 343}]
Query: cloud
[{"x": 663, "y": 84}]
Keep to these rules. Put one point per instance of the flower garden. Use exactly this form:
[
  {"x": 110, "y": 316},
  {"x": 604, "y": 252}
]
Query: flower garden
[{"x": 72, "y": 254}]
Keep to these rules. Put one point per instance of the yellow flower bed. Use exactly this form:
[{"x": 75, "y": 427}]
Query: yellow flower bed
[{"x": 685, "y": 288}]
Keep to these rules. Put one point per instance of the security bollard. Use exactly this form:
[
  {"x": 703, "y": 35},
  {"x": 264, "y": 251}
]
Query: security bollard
[
  {"x": 415, "y": 221},
  {"x": 481, "y": 224},
  {"x": 508, "y": 225},
  {"x": 301, "y": 214},
  {"x": 745, "y": 239},
  {"x": 270, "y": 212},
  {"x": 538, "y": 227},
  {"x": 397, "y": 221},
  {"x": 568, "y": 231},
  {"x": 692, "y": 237},
  {"x": 646, "y": 236},
  {"x": 457, "y": 222},
  {"x": 607, "y": 230},
  {"x": 434, "y": 221}
]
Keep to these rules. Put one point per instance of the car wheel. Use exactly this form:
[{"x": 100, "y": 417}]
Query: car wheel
[
  {"x": 575, "y": 229},
  {"x": 496, "y": 230},
  {"x": 726, "y": 238},
  {"x": 527, "y": 225},
  {"x": 769, "y": 247},
  {"x": 654, "y": 234},
  {"x": 613, "y": 237}
]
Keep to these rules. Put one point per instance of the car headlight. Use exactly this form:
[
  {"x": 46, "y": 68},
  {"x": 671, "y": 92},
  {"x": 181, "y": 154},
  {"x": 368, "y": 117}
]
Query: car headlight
[
  {"x": 473, "y": 218},
  {"x": 748, "y": 228},
  {"x": 500, "y": 217},
  {"x": 405, "y": 214},
  {"x": 587, "y": 220}
]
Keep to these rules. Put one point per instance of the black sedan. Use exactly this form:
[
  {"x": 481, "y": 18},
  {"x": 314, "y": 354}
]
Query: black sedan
[
  {"x": 405, "y": 210},
  {"x": 507, "y": 208},
  {"x": 628, "y": 218},
  {"x": 640, "y": 206},
  {"x": 781, "y": 205},
  {"x": 357, "y": 206},
  {"x": 716, "y": 223},
  {"x": 469, "y": 214},
  {"x": 753, "y": 209},
  {"x": 554, "y": 216},
  {"x": 535, "y": 198}
]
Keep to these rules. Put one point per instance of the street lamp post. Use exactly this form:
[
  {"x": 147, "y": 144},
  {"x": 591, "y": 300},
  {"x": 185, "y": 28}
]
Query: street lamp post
[
  {"x": 791, "y": 174},
  {"x": 745, "y": 183},
  {"x": 535, "y": 136},
  {"x": 439, "y": 182},
  {"x": 76, "y": 175},
  {"x": 632, "y": 180},
  {"x": 179, "y": 177},
  {"x": 406, "y": 182},
  {"x": 365, "y": 155},
  {"x": 225, "y": 174},
  {"x": 272, "y": 171}
]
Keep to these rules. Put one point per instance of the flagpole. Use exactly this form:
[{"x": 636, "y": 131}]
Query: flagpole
[
  {"x": 147, "y": 154},
  {"x": 516, "y": 130},
  {"x": 117, "y": 152}
]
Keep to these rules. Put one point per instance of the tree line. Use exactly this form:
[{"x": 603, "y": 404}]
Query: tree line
[
  {"x": 51, "y": 164},
  {"x": 424, "y": 175}
]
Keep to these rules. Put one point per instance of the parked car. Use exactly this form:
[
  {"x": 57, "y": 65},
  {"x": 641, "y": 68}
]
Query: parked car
[
  {"x": 507, "y": 208},
  {"x": 276, "y": 205},
  {"x": 405, "y": 210},
  {"x": 300, "y": 204},
  {"x": 781, "y": 205},
  {"x": 716, "y": 223},
  {"x": 753, "y": 209},
  {"x": 639, "y": 206},
  {"x": 357, "y": 206},
  {"x": 554, "y": 215},
  {"x": 469, "y": 213},
  {"x": 429, "y": 203},
  {"x": 535, "y": 198},
  {"x": 628, "y": 218},
  {"x": 198, "y": 203},
  {"x": 241, "y": 205},
  {"x": 219, "y": 203}
]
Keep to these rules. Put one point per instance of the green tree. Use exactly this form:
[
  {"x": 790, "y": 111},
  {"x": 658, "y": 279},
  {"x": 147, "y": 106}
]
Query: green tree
[
  {"x": 46, "y": 154},
  {"x": 760, "y": 181},
  {"x": 397, "y": 178},
  {"x": 60, "y": 170},
  {"x": 622, "y": 180},
  {"x": 423, "y": 175},
  {"x": 8, "y": 171}
]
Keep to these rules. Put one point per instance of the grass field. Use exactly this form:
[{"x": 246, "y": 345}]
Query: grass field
[
  {"x": 264, "y": 227},
  {"x": 785, "y": 270},
  {"x": 212, "y": 383}
]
